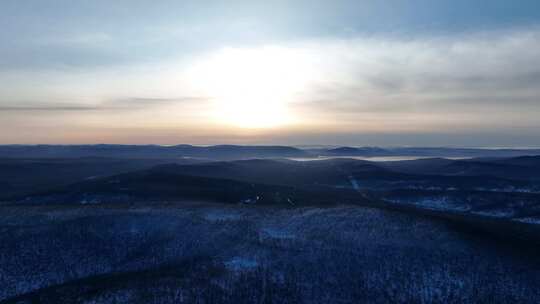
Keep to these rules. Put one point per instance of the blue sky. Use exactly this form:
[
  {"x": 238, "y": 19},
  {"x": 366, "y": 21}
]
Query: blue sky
[{"x": 413, "y": 72}]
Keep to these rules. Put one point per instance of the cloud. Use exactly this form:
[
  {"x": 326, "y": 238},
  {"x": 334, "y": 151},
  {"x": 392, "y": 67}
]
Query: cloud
[
  {"x": 487, "y": 81},
  {"x": 123, "y": 104},
  {"x": 142, "y": 102},
  {"x": 46, "y": 107},
  {"x": 468, "y": 71}
]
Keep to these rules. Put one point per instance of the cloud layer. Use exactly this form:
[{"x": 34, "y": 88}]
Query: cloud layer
[
  {"x": 483, "y": 77},
  {"x": 362, "y": 74}
]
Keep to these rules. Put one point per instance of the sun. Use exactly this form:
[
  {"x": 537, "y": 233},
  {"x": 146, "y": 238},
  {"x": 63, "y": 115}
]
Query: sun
[{"x": 252, "y": 88}]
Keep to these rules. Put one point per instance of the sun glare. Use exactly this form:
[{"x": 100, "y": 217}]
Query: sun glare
[{"x": 251, "y": 88}]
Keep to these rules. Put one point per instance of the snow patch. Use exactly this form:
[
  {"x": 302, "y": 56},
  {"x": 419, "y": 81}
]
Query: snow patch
[
  {"x": 241, "y": 264},
  {"x": 434, "y": 203},
  {"x": 495, "y": 213},
  {"x": 354, "y": 183},
  {"x": 277, "y": 233},
  {"x": 529, "y": 220},
  {"x": 218, "y": 216}
]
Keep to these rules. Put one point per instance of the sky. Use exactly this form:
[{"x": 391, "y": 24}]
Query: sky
[{"x": 365, "y": 73}]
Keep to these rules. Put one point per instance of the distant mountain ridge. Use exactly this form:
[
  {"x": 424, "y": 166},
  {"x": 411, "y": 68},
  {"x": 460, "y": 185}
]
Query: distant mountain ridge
[
  {"x": 231, "y": 152},
  {"x": 148, "y": 151},
  {"x": 362, "y": 151},
  {"x": 422, "y": 152}
]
